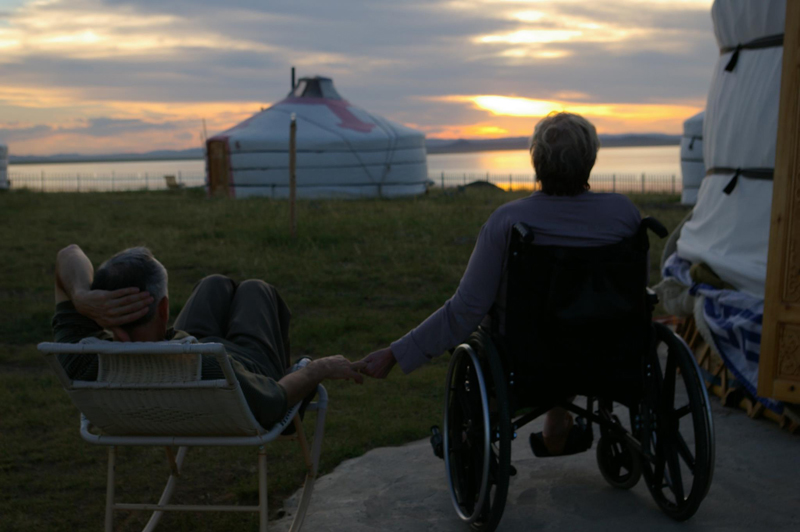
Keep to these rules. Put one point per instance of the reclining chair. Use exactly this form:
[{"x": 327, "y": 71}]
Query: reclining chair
[
  {"x": 151, "y": 393},
  {"x": 578, "y": 322}
]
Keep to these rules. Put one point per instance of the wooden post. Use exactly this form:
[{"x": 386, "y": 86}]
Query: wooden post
[
  {"x": 643, "y": 182},
  {"x": 779, "y": 362},
  {"x": 293, "y": 177}
]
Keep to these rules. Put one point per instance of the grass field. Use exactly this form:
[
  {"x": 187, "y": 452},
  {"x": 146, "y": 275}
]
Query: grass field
[{"x": 359, "y": 275}]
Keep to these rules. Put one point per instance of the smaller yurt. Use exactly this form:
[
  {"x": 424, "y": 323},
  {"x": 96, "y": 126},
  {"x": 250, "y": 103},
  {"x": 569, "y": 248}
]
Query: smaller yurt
[
  {"x": 692, "y": 167},
  {"x": 342, "y": 151},
  {"x": 3, "y": 166}
]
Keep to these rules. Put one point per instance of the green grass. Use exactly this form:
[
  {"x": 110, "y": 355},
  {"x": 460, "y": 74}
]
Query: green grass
[{"x": 359, "y": 275}]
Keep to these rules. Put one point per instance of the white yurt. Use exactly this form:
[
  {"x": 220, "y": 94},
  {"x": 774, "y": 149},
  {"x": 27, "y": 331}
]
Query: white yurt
[
  {"x": 729, "y": 229},
  {"x": 342, "y": 150},
  {"x": 719, "y": 270},
  {"x": 3, "y": 166},
  {"x": 693, "y": 169}
]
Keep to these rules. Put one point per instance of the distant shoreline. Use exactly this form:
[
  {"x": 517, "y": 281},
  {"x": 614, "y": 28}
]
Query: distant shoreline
[{"x": 434, "y": 147}]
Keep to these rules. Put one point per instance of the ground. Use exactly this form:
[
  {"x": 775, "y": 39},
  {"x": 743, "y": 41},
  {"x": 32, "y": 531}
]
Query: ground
[{"x": 359, "y": 275}]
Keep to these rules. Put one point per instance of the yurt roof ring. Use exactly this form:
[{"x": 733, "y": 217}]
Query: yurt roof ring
[
  {"x": 338, "y": 134},
  {"x": 770, "y": 41}
]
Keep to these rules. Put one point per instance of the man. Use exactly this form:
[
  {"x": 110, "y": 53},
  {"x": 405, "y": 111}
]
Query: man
[{"x": 127, "y": 300}]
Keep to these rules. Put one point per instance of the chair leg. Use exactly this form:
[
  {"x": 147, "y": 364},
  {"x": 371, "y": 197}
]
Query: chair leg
[
  {"x": 312, "y": 462},
  {"x": 112, "y": 459},
  {"x": 263, "y": 513},
  {"x": 169, "y": 489}
]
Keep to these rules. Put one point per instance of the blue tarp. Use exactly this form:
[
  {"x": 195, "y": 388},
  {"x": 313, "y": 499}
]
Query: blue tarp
[{"x": 734, "y": 319}]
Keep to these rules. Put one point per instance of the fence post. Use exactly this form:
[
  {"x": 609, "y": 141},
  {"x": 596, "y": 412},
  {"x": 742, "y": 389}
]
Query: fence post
[
  {"x": 642, "y": 182},
  {"x": 673, "y": 183},
  {"x": 442, "y": 180},
  {"x": 78, "y": 177},
  {"x": 613, "y": 182},
  {"x": 509, "y": 182},
  {"x": 146, "y": 181},
  {"x": 487, "y": 177},
  {"x": 42, "y": 180}
]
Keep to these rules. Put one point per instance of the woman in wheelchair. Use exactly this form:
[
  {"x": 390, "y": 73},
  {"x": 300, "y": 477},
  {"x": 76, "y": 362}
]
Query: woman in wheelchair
[
  {"x": 564, "y": 213},
  {"x": 549, "y": 327}
]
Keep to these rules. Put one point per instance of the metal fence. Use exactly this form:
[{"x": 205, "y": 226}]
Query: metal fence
[
  {"x": 85, "y": 182},
  {"x": 90, "y": 182},
  {"x": 628, "y": 183}
]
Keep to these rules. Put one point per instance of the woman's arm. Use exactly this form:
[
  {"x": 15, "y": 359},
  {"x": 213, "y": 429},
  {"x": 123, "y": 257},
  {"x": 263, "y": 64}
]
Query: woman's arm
[{"x": 460, "y": 315}]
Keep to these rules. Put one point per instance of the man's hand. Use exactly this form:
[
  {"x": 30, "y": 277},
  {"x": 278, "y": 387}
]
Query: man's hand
[
  {"x": 302, "y": 382},
  {"x": 111, "y": 310},
  {"x": 337, "y": 367},
  {"x": 379, "y": 363}
]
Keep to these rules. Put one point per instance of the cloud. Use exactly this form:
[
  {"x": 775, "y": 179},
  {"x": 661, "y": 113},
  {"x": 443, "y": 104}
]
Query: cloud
[{"x": 184, "y": 60}]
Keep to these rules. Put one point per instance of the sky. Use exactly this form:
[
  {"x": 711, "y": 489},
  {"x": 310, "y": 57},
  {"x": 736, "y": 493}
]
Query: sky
[{"x": 110, "y": 76}]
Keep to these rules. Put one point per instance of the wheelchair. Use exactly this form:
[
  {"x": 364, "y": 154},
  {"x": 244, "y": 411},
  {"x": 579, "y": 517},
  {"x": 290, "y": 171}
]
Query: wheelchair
[{"x": 578, "y": 322}]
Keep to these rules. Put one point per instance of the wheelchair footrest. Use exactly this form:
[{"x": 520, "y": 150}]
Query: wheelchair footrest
[
  {"x": 579, "y": 440},
  {"x": 437, "y": 442}
]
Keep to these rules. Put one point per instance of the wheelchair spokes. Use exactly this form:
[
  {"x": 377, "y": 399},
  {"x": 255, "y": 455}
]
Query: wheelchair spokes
[
  {"x": 477, "y": 439},
  {"x": 681, "y": 434}
]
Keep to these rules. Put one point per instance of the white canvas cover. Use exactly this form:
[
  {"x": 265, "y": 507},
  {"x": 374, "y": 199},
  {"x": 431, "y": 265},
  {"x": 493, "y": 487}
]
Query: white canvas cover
[
  {"x": 692, "y": 167},
  {"x": 3, "y": 166},
  {"x": 342, "y": 150},
  {"x": 730, "y": 232}
]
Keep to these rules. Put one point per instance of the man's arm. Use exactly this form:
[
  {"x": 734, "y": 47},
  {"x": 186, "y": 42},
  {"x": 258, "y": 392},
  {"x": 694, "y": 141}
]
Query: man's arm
[
  {"x": 74, "y": 275},
  {"x": 301, "y": 383}
]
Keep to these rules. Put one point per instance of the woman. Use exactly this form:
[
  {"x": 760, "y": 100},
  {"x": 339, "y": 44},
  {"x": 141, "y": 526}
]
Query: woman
[{"x": 564, "y": 213}]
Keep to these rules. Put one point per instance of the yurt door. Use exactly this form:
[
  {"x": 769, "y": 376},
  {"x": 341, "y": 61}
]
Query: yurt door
[
  {"x": 779, "y": 365},
  {"x": 218, "y": 177}
]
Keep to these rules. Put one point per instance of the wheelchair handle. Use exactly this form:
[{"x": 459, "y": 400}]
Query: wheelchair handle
[
  {"x": 524, "y": 231},
  {"x": 655, "y": 226}
]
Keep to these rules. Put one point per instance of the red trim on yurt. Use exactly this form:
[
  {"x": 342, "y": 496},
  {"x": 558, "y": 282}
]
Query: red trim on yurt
[{"x": 338, "y": 107}]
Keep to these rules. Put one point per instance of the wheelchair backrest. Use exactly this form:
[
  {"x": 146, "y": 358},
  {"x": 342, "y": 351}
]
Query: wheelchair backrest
[{"x": 577, "y": 318}]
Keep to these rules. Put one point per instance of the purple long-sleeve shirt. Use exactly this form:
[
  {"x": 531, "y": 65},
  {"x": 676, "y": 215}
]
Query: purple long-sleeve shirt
[{"x": 586, "y": 220}]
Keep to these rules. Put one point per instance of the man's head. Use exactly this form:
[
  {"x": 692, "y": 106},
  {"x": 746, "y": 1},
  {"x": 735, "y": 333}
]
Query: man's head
[
  {"x": 563, "y": 151},
  {"x": 137, "y": 267}
]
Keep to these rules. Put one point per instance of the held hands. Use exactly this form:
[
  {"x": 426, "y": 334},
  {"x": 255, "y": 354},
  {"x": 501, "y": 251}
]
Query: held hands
[
  {"x": 339, "y": 368},
  {"x": 379, "y": 363}
]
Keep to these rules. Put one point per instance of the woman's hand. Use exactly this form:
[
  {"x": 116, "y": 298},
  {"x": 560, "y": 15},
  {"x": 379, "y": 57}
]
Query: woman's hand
[
  {"x": 379, "y": 363},
  {"x": 113, "y": 309}
]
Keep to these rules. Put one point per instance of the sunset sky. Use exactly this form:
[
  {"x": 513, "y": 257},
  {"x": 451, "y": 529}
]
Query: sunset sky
[{"x": 108, "y": 76}]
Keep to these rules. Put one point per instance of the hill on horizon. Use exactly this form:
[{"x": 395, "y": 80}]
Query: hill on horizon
[{"x": 433, "y": 146}]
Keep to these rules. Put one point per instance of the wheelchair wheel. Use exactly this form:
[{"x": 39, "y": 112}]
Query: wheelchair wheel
[
  {"x": 477, "y": 435},
  {"x": 676, "y": 428},
  {"x": 618, "y": 463}
]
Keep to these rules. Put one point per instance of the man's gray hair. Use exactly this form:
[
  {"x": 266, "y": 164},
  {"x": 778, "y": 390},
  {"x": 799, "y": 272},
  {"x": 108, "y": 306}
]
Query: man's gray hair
[
  {"x": 563, "y": 151},
  {"x": 134, "y": 267}
]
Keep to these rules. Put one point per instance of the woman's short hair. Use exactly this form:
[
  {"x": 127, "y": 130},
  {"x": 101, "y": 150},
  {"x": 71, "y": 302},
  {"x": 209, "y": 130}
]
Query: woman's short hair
[
  {"x": 134, "y": 267},
  {"x": 563, "y": 151}
]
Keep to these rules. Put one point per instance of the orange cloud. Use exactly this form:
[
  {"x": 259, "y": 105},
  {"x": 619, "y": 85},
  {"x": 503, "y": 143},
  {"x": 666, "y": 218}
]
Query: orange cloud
[{"x": 507, "y": 112}]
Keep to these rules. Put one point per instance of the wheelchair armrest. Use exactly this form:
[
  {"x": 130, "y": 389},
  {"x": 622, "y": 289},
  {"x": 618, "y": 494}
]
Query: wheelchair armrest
[{"x": 652, "y": 297}]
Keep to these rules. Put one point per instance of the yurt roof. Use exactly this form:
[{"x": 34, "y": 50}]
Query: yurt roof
[
  {"x": 325, "y": 121},
  {"x": 693, "y": 126}
]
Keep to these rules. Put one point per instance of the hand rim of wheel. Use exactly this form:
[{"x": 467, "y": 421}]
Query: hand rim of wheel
[{"x": 476, "y": 512}]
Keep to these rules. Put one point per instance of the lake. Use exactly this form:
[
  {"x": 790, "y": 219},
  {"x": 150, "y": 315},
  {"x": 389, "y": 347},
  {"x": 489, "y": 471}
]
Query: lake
[{"x": 651, "y": 168}]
